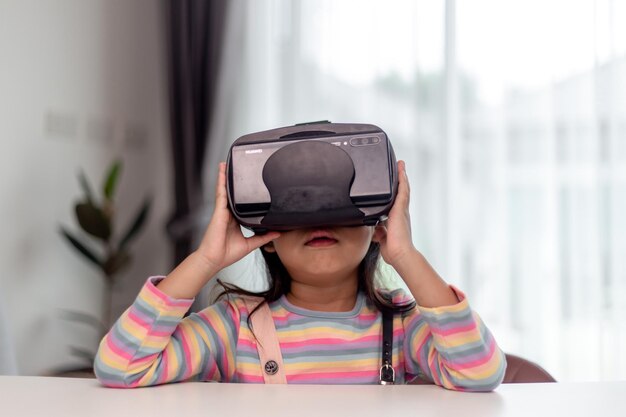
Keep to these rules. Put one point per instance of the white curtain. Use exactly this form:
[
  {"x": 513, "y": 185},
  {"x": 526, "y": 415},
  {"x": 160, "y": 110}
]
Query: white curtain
[{"x": 510, "y": 115}]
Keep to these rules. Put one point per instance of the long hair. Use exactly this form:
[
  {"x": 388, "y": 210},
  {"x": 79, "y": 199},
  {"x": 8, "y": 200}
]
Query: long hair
[{"x": 280, "y": 282}]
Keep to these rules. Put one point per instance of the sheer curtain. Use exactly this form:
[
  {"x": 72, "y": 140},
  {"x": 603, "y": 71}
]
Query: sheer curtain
[{"x": 510, "y": 115}]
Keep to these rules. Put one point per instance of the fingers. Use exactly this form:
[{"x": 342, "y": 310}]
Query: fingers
[
  {"x": 402, "y": 167},
  {"x": 257, "y": 241},
  {"x": 221, "y": 200},
  {"x": 404, "y": 191}
]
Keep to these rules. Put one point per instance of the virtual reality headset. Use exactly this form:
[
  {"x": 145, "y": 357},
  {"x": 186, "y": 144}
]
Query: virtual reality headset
[{"x": 311, "y": 175}]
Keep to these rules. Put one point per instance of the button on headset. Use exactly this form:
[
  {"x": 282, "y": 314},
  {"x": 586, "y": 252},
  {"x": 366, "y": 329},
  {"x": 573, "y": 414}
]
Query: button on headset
[{"x": 364, "y": 140}]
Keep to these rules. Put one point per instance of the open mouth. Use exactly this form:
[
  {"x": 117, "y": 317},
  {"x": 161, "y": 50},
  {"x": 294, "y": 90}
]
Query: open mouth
[{"x": 320, "y": 238}]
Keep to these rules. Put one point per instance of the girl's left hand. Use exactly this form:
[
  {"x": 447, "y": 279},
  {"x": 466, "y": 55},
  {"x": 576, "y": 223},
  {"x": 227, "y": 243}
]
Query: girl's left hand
[
  {"x": 394, "y": 235},
  {"x": 397, "y": 249}
]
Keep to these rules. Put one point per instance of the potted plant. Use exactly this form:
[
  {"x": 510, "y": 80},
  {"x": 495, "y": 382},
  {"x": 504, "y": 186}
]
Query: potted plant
[{"x": 101, "y": 246}]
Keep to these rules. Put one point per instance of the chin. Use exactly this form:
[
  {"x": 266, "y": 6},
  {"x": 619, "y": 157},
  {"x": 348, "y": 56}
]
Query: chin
[{"x": 328, "y": 272}]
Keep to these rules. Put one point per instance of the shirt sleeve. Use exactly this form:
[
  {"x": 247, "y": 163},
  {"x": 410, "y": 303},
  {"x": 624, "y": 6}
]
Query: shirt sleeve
[
  {"x": 152, "y": 344},
  {"x": 451, "y": 346}
]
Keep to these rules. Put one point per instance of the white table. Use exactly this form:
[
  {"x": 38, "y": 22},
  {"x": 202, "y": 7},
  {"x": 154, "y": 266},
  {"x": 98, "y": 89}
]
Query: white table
[{"x": 67, "y": 397}]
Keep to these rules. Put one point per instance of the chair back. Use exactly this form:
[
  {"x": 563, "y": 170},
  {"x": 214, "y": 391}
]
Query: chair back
[{"x": 520, "y": 370}]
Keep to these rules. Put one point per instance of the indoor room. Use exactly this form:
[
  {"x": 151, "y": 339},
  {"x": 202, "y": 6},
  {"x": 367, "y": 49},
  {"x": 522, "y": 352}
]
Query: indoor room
[{"x": 509, "y": 117}]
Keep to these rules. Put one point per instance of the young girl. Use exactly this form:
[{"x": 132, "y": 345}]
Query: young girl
[{"x": 324, "y": 306}]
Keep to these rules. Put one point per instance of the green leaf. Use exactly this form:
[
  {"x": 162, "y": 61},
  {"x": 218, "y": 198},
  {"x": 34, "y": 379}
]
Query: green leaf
[
  {"x": 85, "y": 354},
  {"x": 81, "y": 247},
  {"x": 137, "y": 224},
  {"x": 93, "y": 220},
  {"x": 112, "y": 179},
  {"x": 85, "y": 186},
  {"x": 116, "y": 263},
  {"x": 85, "y": 318}
]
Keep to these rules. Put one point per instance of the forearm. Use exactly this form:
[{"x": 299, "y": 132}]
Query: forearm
[
  {"x": 152, "y": 344},
  {"x": 130, "y": 354},
  {"x": 426, "y": 286},
  {"x": 188, "y": 278},
  {"x": 452, "y": 347}
]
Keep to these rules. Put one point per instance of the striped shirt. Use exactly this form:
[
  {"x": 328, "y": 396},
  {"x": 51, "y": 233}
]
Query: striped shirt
[{"x": 152, "y": 344}]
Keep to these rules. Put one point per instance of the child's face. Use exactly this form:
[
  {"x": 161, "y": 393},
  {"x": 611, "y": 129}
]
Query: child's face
[{"x": 322, "y": 255}]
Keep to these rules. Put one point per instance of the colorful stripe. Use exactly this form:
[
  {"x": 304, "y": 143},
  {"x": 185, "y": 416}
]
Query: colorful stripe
[{"x": 152, "y": 344}]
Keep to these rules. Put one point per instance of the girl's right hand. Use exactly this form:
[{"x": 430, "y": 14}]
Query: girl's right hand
[{"x": 223, "y": 243}]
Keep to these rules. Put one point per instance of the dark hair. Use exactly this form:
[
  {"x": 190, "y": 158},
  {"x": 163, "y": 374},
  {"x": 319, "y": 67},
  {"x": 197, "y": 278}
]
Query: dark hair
[{"x": 280, "y": 282}]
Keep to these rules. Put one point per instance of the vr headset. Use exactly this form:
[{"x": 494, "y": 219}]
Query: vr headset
[{"x": 311, "y": 175}]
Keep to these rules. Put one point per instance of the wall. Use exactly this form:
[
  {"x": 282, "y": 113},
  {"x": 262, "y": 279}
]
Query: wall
[{"x": 81, "y": 82}]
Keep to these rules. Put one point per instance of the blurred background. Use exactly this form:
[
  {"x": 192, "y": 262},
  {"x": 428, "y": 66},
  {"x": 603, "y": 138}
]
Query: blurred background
[{"x": 511, "y": 116}]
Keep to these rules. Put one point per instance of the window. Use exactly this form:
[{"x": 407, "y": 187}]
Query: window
[{"x": 511, "y": 118}]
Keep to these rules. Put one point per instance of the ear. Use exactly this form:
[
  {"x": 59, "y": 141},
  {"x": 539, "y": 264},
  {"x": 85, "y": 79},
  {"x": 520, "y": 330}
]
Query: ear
[
  {"x": 380, "y": 233},
  {"x": 269, "y": 247}
]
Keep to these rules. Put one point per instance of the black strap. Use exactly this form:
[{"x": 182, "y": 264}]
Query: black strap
[{"x": 387, "y": 374}]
